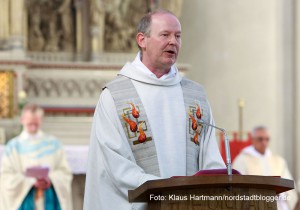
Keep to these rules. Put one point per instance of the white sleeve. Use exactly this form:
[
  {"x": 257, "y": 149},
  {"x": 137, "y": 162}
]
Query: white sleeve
[
  {"x": 292, "y": 194},
  {"x": 210, "y": 157},
  {"x": 110, "y": 154},
  {"x": 240, "y": 164},
  {"x": 13, "y": 183}
]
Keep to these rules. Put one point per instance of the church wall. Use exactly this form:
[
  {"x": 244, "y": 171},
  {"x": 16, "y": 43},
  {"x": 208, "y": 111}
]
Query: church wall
[
  {"x": 297, "y": 86},
  {"x": 236, "y": 49},
  {"x": 239, "y": 49}
]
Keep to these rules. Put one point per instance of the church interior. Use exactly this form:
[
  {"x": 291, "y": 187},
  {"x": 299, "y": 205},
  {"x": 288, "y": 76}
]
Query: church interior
[{"x": 60, "y": 53}]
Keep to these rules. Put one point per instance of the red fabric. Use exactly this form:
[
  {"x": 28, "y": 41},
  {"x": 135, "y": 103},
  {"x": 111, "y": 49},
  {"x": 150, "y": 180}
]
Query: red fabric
[
  {"x": 208, "y": 172},
  {"x": 236, "y": 145},
  {"x": 216, "y": 172}
]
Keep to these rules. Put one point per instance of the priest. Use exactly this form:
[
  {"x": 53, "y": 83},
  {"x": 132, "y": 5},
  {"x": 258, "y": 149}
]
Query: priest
[
  {"x": 34, "y": 170},
  {"x": 147, "y": 123},
  {"x": 258, "y": 159}
]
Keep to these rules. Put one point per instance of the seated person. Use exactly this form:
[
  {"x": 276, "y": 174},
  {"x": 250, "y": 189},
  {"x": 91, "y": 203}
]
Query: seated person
[{"x": 257, "y": 159}]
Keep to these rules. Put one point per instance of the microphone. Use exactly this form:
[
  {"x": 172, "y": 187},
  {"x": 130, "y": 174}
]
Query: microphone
[{"x": 227, "y": 147}]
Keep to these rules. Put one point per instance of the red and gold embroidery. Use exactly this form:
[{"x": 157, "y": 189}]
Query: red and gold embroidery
[
  {"x": 195, "y": 139},
  {"x": 194, "y": 122},
  {"x": 198, "y": 112},
  {"x": 135, "y": 128},
  {"x": 195, "y": 128},
  {"x": 135, "y": 113},
  {"x": 142, "y": 137},
  {"x": 132, "y": 124}
]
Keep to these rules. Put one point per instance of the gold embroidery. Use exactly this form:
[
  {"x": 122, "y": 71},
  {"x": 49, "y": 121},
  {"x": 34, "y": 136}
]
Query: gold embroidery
[
  {"x": 195, "y": 128},
  {"x": 135, "y": 129}
]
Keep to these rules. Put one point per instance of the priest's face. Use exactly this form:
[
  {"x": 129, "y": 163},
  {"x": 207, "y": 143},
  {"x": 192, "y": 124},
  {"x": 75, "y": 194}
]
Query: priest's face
[
  {"x": 31, "y": 122},
  {"x": 161, "y": 47},
  {"x": 261, "y": 140}
]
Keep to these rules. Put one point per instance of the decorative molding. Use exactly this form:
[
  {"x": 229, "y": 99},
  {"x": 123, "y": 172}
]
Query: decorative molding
[
  {"x": 66, "y": 88},
  {"x": 100, "y": 58}
]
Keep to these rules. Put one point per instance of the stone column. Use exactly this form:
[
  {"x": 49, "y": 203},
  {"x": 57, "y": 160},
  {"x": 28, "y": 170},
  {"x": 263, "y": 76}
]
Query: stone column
[
  {"x": 16, "y": 20},
  {"x": 97, "y": 24},
  {"x": 82, "y": 30},
  {"x": 286, "y": 26},
  {"x": 25, "y": 27},
  {"x": 67, "y": 26},
  {"x": 4, "y": 23},
  {"x": 297, "y": 89},
  {"x": 78, "y": 6}
]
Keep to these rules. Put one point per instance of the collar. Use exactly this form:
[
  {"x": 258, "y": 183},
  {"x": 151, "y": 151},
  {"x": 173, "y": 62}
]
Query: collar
[
  {"x": 27, "y": 136},
  {"x": 250, "y": 150},
  {"x": 139, "y": 65}
]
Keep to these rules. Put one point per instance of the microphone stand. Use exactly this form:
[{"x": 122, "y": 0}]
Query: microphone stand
[{"x": 227, "y": 147}]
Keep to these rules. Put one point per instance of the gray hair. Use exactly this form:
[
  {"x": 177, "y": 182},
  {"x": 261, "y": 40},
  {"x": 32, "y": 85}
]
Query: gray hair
[
  {"x": 258, "y": 128},
  {"x": 145, "y": 22}
]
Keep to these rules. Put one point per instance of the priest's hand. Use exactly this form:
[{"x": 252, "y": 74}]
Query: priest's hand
[{"x": 42, "y": 184}]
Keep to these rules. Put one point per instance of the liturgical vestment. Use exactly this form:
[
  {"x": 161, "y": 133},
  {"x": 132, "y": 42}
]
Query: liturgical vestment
[
  {"x": 251, "y": 162},
  {"x": 26, "y": 151}
]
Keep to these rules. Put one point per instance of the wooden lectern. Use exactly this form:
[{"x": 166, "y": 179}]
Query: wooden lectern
[{"x": 207, "y": 192}]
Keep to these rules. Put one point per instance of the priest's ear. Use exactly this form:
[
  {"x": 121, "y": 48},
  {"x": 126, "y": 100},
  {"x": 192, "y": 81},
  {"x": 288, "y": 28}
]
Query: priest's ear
[{"x": 140, "y": 39}]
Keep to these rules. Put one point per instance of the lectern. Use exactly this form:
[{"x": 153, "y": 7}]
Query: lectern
[{"x": 207, "y": 192}]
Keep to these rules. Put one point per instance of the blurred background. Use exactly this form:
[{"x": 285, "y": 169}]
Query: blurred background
[{"x": 60, "y": 53}]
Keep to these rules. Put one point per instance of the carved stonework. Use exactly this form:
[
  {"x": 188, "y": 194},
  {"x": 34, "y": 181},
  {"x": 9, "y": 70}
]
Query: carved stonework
[
  {"x": 101, "y": 25},
  {"x": 50, "y": 26},
  {"x": 97, "y": 25},
  {"x": 65, "y": 87},
  {"x": 121, "y": 18},
  {"x": 171, "y": 5}
]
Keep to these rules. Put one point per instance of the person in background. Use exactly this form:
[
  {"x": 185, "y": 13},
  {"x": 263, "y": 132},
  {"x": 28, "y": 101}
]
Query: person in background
[
  {"x": 257, "y": 159},
  {"x": 147, "y": 122},
  {"x": 34, "y": 172}
]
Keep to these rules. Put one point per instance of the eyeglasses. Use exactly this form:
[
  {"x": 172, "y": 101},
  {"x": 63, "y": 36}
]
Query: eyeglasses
[{"x": 263, "y": 138}]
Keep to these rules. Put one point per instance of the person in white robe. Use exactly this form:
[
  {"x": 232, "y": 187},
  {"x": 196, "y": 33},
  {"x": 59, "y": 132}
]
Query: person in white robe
[
  {"x": 48, "y": 185},
  {"x": 112, "y": 169},
  {"x": 257, "y": 159}
]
